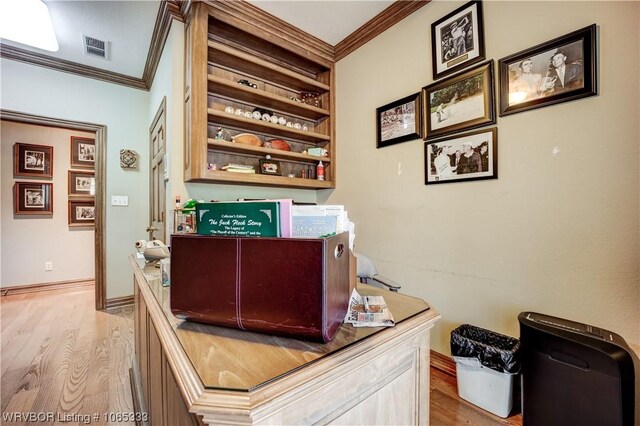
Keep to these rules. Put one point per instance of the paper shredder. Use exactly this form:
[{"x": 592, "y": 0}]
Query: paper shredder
[{"x": 576, "y": 374}]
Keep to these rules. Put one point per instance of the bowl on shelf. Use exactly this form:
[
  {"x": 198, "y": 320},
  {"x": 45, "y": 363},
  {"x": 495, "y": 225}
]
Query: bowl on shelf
[
  {"x": 247, "y": 139},
  {"x": 277, "y": 144}
]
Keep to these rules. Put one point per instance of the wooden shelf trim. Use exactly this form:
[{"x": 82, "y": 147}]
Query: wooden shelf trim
[
  {"x": 229, "y": 57},
  {"x": 222, "y": 176},
  {"x": 221, "y": 87},
  {"x": 226, "y": 119},
  {"x": 258, "y": 150}
]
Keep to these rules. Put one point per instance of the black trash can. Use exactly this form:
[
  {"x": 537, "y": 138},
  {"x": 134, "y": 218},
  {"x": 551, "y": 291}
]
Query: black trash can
[{"x": 486, "y": 365}]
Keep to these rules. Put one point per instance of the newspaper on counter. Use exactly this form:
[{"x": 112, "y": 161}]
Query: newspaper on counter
[{"x": 368, "y": 311}]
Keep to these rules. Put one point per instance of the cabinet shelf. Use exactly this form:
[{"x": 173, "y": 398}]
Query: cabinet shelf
[
  {"x": 226, "y": 119},
  {"x": 228, "y": 57},
  {"x": 221, "y": 87},
  {"x": 276, "y": 154},
  {"x": 267, "y": 180}
]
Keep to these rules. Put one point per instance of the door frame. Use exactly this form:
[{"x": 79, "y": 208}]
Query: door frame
[
  {"x": 100, "y": 170},
  {"x": 161, "y": 113}
]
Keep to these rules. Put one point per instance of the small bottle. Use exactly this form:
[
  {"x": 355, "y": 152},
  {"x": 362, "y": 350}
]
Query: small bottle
[
  {"x": 177, "y": 202},
  {"x": 320, "y": 171}
]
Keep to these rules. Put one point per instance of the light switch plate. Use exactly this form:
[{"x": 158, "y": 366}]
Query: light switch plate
[{"x": 119, "y": 200}]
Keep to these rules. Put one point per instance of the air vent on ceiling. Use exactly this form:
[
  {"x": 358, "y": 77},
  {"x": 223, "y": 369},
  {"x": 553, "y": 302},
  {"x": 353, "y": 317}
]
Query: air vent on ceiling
[{"x": 95, "y": 47}]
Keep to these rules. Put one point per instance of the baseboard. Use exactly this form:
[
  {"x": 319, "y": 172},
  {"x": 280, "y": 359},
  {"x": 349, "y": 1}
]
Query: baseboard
[
  {"x": 443, "y": 363},
  {"x": 119, "y": 301},
  {"x": 60, "y": 285}
]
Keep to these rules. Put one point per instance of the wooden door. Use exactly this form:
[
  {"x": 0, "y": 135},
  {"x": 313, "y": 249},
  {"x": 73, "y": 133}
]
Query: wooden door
[{"x": 158, "y": 188}]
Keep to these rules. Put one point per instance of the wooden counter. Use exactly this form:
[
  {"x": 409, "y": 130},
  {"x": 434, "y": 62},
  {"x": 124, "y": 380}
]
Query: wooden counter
[{"x": 193, "y": 373}]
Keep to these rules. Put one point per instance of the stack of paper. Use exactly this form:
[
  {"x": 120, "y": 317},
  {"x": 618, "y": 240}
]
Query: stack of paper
[{"x": 321, "y": 221}]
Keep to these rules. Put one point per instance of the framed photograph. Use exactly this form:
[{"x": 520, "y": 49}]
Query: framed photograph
[
  {"x": 83, "y": 152},
  {"x": 81, "y": 183},
  {"x": 82, "y": 213},
  {"x": 32, "y": 198},
  {"x": 270, "y": 167},
  {"x": 471, "y": 156},
  {"x": 399, "y": 121},
  {"x": 559, "y": 70},
  {"x": 32, "y": 160},
  {"x": 457, "y": 40},
  {"x": 461, "y": 102}
]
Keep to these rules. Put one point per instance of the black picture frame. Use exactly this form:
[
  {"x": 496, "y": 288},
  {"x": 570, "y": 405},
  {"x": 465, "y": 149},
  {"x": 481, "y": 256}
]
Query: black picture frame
[
  {"x": 31, "y": 160},
  {"x": 270, "y": 167},
  {"x": 32, "y": 198},
  {"x": 457, "y": 40},
  {"x": 528, "y": 79},
  {"x": 83, "y": 152},
  {"x": 399, "y": 121},
  {"x": 444, "y": 165},
  {"x": 461, "y": 102}
]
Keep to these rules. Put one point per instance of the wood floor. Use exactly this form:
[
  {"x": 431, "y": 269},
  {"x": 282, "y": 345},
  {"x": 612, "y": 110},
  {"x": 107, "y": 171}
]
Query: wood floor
[
  {"x": 64, "y": 363},
  {"x": 62, "y": 360}
]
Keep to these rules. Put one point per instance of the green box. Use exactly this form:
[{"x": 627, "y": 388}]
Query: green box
[{"x": 239, "y": 219}]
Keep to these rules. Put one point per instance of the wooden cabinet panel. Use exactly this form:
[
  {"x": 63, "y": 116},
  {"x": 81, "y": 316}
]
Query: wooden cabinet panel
[
  {"x": 177, "y": 412},
  {"x": 142, "y": 344},
  {"x": 156, "y": 382}
]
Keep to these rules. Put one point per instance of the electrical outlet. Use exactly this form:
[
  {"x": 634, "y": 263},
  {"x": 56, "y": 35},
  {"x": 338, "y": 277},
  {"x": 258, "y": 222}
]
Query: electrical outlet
[{"x": 48, "y": 266}]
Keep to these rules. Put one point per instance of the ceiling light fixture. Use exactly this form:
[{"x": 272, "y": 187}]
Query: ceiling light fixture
[{"x": 28, "y": 22}]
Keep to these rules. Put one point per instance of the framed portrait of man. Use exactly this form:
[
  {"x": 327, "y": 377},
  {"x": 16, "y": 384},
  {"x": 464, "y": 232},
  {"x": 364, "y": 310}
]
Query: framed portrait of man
[
  {"x": 457, "y": 40},
  {"x": 559, "y": 70}
]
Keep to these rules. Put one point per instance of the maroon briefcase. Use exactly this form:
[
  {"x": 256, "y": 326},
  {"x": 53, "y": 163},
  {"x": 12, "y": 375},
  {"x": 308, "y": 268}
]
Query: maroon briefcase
[{"x": 286, "y": 286}]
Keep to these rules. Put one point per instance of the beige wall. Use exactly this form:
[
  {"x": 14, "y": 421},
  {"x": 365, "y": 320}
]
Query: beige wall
[
  {"x": 557, "y": 233},
  {"x": 30, "y": 241}
]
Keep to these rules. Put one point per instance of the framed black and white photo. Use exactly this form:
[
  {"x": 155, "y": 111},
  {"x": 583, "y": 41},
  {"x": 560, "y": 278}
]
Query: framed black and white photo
[
  {"x": 32, "y": 198},
  {"x": 32, "y": 160},
  {"x": 270, "y": 167},
  {"x": 556, "y": 71},
  {"x": 470, "y": 156},
  {"x": 82, "y": 213},
  {"x": 83, "y": 152},
  {"x": 457, "y": 40},
  {"x": 81, "y": 183},
  {"x": 460, "y": 102},
  {"x": 399, "y": 121}
]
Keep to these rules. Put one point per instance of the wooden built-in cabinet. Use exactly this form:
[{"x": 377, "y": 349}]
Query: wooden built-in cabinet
[
  {"x": 231, "y": 41},
  {"x": 202, "y": 374}
]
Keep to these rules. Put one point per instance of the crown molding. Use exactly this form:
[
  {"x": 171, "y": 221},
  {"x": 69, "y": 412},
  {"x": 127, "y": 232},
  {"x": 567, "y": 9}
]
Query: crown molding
[
  {"x": 169, "y": 10},
  {"x": 242, "y": 14},
  {"x": 375, "y": 26},
  {"x": 33, "y": 58}
]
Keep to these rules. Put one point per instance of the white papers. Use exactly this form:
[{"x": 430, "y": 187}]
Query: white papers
[
  {"x": 368, "y": 311},
  {"x": 307, "y": 221}
]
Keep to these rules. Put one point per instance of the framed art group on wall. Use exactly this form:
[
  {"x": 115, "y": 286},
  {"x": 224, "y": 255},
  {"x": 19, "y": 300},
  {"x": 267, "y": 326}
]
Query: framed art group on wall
[
  {"x": 462, "y": 97},
  {"x": 81, "y": 183},
  {"x": 459, "y": 101}
]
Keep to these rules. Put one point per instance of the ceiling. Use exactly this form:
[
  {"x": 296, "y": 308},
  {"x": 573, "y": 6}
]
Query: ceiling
[{"x": 128, "y": 26}]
